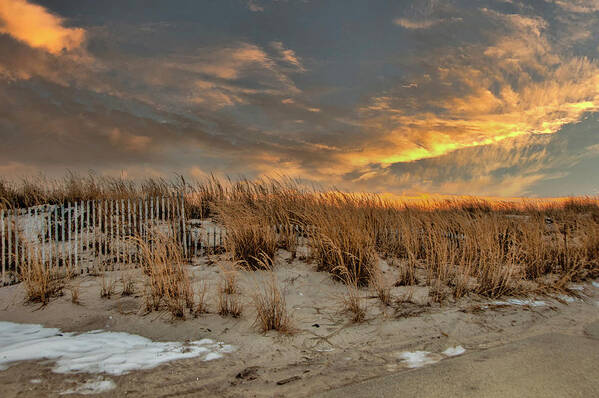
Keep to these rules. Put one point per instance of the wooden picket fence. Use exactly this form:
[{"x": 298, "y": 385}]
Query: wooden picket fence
[{"x": 90, "y": 236}]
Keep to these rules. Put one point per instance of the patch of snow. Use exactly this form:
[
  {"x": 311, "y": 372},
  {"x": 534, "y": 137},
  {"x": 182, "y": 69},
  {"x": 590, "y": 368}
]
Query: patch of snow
[
  {"x": 92, "y": 387},
  {"x": 417, "y": 359},
  {"x": 329, "y": 349},
  {"x": 97, "y": 351},
  {"x": 35, "y": 381},
  {"x": 454, "y": 351},
  {"x": 596, "y": 284},
  {"x": 577, "y": 287},
  {"x": 567, "y": 299},
  {"x": 532, "y": 303}
]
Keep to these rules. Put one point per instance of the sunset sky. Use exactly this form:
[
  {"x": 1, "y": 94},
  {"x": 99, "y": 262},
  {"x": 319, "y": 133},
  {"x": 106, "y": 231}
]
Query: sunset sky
[{"x": 495, "y": 98}]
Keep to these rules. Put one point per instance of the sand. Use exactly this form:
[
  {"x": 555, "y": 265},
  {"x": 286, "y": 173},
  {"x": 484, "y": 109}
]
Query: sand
[{"x": 325, "y": 352}]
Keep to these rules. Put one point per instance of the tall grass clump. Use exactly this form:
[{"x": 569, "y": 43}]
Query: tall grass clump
[
  {"x": 340, "y": 241},
  {"x": 271, "y": 308},
  {"x": 228, "y": 297},
  {"x": 41, "y": 283},
  {"x": 168, "y": 283},
  {"x": 248, "y": 237},
  {"x": 381, "y": 285}
]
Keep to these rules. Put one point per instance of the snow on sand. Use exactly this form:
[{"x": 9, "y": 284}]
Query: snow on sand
[
  {"x": 417, "y": 359},
  {"x": 97, "y": 351}
]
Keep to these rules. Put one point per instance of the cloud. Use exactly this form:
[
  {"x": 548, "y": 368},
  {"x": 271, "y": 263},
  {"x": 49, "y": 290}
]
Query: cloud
[
  {"x": 254, "y": 7},
  {"x": 424, "y": 23},
  {"x": 38, "y": 28},
  {"x": 478, "y": 110},
  {"x": 480, "y": 95},
  {"x": 507, "y": 168},
  {"x": 130, "y": 142},
  {"x": 288, "y": 55},
  {"x": 578, "y": 6}
]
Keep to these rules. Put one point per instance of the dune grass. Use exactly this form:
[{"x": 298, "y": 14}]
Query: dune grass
[
  {"x": 41, "y": 283},
  {"x": 168, "y": 284},
  {"x": 463, "y": 245}
]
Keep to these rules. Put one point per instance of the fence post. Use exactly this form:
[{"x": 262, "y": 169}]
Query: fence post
[
  {"x": 183, "y": 225},
  {"x": 105, "y": 235},
  {"x": 40, "y": 225},
  {"x": 129, "y": 228},
  {"x": 122, "y": 231},
  {"x": 2, "y": 244},
  {"x": 145, "y": 224},
  {"x": 9, "y": 233},
  {"x": 81, "y": 229},
  {"x": 17, "y": 234},
  {"x": 63, "y": 225},
  {"x": 88, "y": 233},
  {"x": 47, "y": 225},
  {"x": 135, "y": 210},
  {"x": 94, "y": 233},
  {"x": 116, "y": 217},
  {"x": 76, "y": 222},
  {"x": 70, "y": 233},
  {"x": 152, "y": 212},
  {"x": 21, "y": 213},
  {"x": 56, "y": 263}
]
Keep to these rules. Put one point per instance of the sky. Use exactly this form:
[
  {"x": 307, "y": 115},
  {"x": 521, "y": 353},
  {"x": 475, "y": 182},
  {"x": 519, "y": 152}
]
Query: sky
[{"x": 494, "y": 98}]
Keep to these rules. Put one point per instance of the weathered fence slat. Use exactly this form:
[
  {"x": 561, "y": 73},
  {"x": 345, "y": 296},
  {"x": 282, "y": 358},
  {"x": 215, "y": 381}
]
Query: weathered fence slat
[
  {"x": 2, "y": 246},
  {"x": 9, "y": 234}
]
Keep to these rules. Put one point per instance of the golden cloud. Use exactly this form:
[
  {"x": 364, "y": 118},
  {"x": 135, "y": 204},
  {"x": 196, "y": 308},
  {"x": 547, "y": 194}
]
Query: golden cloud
[
  {"x": 519, "y": 85},
  {"x": 38, "y": 28},
  {"x": 128, "y": 141}
]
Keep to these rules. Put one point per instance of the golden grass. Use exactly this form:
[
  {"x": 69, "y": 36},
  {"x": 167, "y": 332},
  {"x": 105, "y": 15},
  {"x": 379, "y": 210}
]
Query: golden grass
[
  {"x": 41, "y": 283},
  {"x": 354, "y": 303},
  {"x": 75, "y": 295},
  {"x": 457, "y": 245},
  {"x": 228, "y": 297},
  {"x": 168, "y": 283},
  {"x": 107, "y": 288},
  {"x": 381, "y": 286},
  {"x": 128, "y": 284},
  {"x": 270, "y": 304},
  {"x": 201, "y": 302},
  {"x": 229, "y": 304},
  {"x": 248, "y": 237}
]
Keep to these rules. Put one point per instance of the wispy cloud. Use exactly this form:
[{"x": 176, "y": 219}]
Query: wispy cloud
[
  {"x": 578, "y": 6},
  {"x": 254, "y": 6},
  {"x": 287, "y": 55},
  {"x": 518, "y": 85},
  {"x": 423, "y": 23}
]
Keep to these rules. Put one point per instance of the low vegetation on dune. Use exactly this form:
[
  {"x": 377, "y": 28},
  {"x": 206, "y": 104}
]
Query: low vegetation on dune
[
  {"x": 270, "y": 304},
  {"x": 457, "y": 246},
  {"x": 168, "y": 282},
  {"x": 42, "y": 283}
]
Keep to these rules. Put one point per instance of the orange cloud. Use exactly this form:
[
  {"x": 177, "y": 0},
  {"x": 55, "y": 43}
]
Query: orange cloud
[
  {"x": 422, "y": 23},
  {"x": 130, "y": 142},
  {"x": 288, "y": 55},
  {"x": 517, "y": 86},
  {"x": 38, "y": 28}
]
